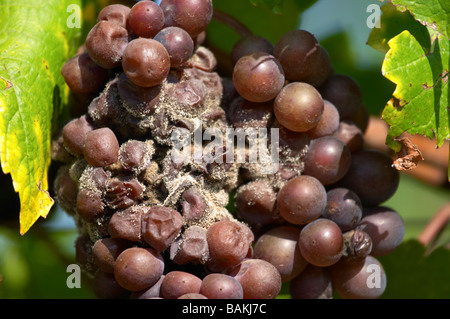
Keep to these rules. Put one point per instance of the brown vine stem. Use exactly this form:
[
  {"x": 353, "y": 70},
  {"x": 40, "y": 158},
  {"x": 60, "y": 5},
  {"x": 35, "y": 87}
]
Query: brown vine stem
[
  {"x": 231, "y": 22},
  {"x": 435, "y": 226}
]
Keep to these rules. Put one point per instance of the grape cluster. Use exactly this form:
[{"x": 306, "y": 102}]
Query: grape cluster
[{"x": 155, "y": 224}]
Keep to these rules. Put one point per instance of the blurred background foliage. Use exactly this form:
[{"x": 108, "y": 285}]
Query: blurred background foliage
[{"x": 34, "y": 265}]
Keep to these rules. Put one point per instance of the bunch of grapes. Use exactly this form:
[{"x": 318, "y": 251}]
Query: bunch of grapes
[{"x": 155, "y": 224}]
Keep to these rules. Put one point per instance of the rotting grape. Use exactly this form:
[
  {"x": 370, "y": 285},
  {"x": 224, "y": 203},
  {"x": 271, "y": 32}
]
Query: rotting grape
[
  {"x": 116, "y": 13},
  {"x": 74, "y": 134},
  {"x": 106, "y": 43},
  {"x": 255, "y": 203},
  {"x": 83, "y": 75},
  {"x": 101, "y": 147},
  {"x": 160, "y": 226},
  {"x": 154, "y": 224}
]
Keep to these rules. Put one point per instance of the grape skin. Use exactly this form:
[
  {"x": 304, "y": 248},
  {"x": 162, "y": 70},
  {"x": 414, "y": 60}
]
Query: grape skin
[
  {"x": 83, "y": 75},
  {"x": 279, "y": 246},
  {"x": 193, "y": 205},
  {"x": 255, "y": 203},
  {"x": 298, "y": 52},
  {"x": 146, "y": 62},
  {"x": 244, "y": 114},
  {"x": 298, "y": 107},
  {"x": 106, "y": 43},
  {"x": 328, "y": 123},
  {"x": 221, "y": 286},
  {"x": 101, "y": 147},
  {"x": 178, "y": 283},
  {"x": 250, "y": 44},
  {"x": 153, "y": 291},
  {"x": 146, "y": 19},
  {"x": 116, "y": 13},
  {"x": 138, "y": 268},
  {"x": 74, "y": 133},
  {"x": 322, "y": 72},
  {"x": 138, "y": 100},
  {"x": 259, "y": 279},
  {"x": 371, "y": 176},
  {"x": 118, "y": 196},
  {"x": 178, "y": 44},
  {"x": 328, "y": 159},
  {"x": 343, "y": 91},
  {"x": 105, "y": 252},
  {"x": 190, "y": 15},
  {"x": 258, "y": 77},
  {"x": 105, "y": 286},
  {"x": 321, "y": 242},
  {"x": 312, "y": 283},
  {"x": 301, "y": 200},
  {"x": 229, "y": 243},
  {"x": 352, "y": 136},
  {"x": 350, "y": 280},
  {"x": 385, "y": 227},
  {"x": 89, "y": 204},
  {"x": 160, "y": 226},
  {"x": 344, "y": 208}
]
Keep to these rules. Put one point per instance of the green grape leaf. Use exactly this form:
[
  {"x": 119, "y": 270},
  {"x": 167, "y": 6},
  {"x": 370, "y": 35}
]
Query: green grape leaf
[
  {"x": 432, "y": 13},
  {"x": 392, "y": 23},
  {"x": 37, "y": 38},
  {"x": 420, "y": 100},
  {"x": 412, "y": 274}
]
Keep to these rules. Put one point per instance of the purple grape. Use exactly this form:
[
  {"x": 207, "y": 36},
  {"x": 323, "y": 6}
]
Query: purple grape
[
  {"x": 221, "y": 286},
  {"x": 258, "y": 77},
  {"x": 301, "y": 200},
  {"x": 321, "y": 242}
]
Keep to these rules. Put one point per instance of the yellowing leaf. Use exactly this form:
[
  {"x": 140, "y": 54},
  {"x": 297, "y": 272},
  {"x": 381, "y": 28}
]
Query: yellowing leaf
[{"x": 36, "y": 41}]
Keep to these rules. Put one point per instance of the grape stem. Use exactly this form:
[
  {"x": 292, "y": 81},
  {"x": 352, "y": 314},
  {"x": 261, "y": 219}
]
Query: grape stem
[
  {"x": 231, "y": 22},
  {"x": 435, "y": 226}
]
